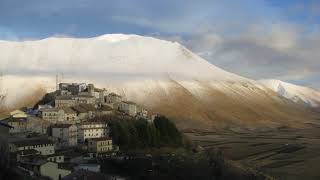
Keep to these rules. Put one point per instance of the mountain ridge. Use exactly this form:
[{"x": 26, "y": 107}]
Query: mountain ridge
[{"x": 145, "y": 70}]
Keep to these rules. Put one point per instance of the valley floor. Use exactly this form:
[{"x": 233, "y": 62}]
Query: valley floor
[{"x": 283, "y": 153}]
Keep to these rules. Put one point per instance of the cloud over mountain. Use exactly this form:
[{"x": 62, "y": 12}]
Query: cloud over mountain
[{"x": 165, "y": 77}]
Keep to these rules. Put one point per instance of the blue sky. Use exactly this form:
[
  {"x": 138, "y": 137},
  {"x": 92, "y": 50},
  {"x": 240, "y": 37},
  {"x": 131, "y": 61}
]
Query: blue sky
[{"x": 258, "y": 39}]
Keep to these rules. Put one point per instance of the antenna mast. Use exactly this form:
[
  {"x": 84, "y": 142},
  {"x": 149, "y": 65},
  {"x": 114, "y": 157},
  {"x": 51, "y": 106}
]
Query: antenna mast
[
  {"x": 57, "y": 82},
  {"x": 2, "y": 93},
  {"x": 1, "y": 74}
]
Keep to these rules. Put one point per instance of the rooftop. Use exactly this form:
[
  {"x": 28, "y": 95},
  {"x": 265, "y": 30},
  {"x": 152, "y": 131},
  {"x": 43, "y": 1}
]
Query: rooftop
[
  {"x": 34, "y": 159},
  {"x": 61, "y": 125},
  {"x": 83, "y": 108},
  {"x": 64, "y": 98},
  {"x": 15, "y": 119},
  {"x": 114, "y": 94},
  {"x": 94, "y": 122},
  {"x": 29, "y": 142},
  {"x": 28, "y": 152},
  {"x": 106, "y": 108},
  {"x": 5, "y": 124},
  {"x": 49, "y": 110},
  {"x": 85, "y": 175},
  {"x": 129, "y": 102},
  {"x": 82, "y": 95},
  {"x": 100, "y": 139},
  {"x": 68, "y": 110}
]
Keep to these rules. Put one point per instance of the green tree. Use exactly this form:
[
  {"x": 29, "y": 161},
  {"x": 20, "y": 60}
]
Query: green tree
[{"x": 169, "y": 133}]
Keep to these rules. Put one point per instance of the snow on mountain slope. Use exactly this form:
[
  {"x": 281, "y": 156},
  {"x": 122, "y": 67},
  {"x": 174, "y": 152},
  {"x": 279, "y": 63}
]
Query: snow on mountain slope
[
  {"x": 293, "y": 92},
  {"x": 112, "y": 55},
  {"x": 106, "y": 59},
  {"x": 163, "y": 76}
]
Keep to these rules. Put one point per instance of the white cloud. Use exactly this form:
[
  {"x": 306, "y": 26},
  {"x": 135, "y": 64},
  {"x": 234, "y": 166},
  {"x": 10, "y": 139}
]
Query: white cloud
[{"x": 281, "y": 51}]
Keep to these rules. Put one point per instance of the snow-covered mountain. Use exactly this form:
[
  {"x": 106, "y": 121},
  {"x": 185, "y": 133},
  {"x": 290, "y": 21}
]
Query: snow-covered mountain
[
  {"x": 293, "y": 92},
  {"x": 163, "y": 76}
]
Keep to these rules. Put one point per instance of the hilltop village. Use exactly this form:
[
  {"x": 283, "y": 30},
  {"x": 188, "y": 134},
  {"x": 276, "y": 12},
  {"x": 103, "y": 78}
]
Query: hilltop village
[
  {"x": 66, "y": 129},
  {"x": 80, "y": 132}
]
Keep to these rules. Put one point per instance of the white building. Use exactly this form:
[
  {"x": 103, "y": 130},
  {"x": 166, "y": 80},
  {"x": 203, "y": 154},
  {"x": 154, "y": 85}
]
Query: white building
[
  {"x": 45, "y": 106},
  {"x": 56, "y": 115},
  {"x": 43, "y": 168},
  {"x": 43, "y": 145},
  {"x": 57, "y": 158},
  {"x": 92, "y": 129},
  {"x": 64, "y": 101},
  {"x": 73, "y": 100},
  {"x": 66, "y": 134},
  {"x": 128, "y": 107},
  {"x": 100, "y": 145},
  {"x": 52, "y": 114}
]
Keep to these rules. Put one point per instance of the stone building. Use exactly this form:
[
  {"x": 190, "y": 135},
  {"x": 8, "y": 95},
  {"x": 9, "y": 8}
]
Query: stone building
[
  {"x": 66, "y": 134},
  {"x": 100, "y": 145},
  {"x": 72, "y": 88},
  {"x": 19, "y": 124},
  {"x": 53, "y": 115},
  {"x": 84, "y": 99},
  {"x": 64, "y": 101},
  {"x": 104, "y": 110},
  {"x": 40, "y": 167},
  {"x": 69, "y": 101},
  {"x": 37, "y": 125},
  {"x": 92, "y": 129},
  {"x": 56, "y": 115},
  {"x": 70, "y": 116},
  {"x": 128, "y": 107},
  {"x": 112, "y": 99},
  {"x": 43, "y": 145},
  {"x": 85, "y": 111}
]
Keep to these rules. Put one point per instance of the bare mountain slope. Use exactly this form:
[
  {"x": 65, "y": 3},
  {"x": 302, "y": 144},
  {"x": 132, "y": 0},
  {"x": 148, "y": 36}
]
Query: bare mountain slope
[{"x": 163, "y": 76}]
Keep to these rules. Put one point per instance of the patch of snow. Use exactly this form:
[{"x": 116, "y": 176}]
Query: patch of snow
[{"x": 293, "y": 92}]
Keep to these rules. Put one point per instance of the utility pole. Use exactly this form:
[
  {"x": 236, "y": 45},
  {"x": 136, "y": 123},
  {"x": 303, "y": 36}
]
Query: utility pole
[
  {"x": 57, "y": 82},
  {"x": 2, "y": 93},
  {"x": 1, "y": 75}
]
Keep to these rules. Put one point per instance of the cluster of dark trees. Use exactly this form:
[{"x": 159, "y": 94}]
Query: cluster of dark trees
[
  {"x": 179, "y": 164},
  {"x": 46, "y": 99},
  {"x": 131, "y": 134}
]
